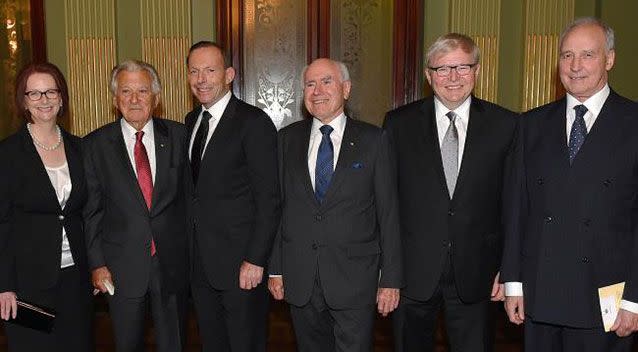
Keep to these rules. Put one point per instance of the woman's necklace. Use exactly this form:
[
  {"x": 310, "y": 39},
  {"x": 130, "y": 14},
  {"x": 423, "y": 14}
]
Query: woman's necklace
[{"x": 39, "y": 144}]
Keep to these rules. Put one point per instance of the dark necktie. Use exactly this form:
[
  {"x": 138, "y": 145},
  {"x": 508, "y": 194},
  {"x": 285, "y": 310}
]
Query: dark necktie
[
  {"x": 325, "y": 160},
  {"x": 198, "y": 145},
  {"x": 578, "y": 132},
  {"x": 144, "y": 176},
  {"x": 450, "y": 153}
]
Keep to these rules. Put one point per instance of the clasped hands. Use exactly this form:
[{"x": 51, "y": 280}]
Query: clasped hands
[{"x": 387, "y": 298}]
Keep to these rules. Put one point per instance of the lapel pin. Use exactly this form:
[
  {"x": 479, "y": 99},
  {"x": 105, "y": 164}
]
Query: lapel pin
[
  {"x": 162, "y": 145},
  {"x": 352, "y": 144}
]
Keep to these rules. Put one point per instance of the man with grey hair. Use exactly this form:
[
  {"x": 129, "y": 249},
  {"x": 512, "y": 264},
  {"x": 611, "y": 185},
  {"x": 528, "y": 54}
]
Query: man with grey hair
[
  {"x": 135, "y": 216},
  {"x": 573, "y": 224},
  {"x": 452, "y": 151},
  {"x": 337, "y": 255}
]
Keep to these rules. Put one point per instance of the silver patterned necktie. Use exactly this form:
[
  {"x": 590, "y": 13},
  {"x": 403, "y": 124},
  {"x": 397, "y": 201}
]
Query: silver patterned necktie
[{"x": 450, "y": 153}]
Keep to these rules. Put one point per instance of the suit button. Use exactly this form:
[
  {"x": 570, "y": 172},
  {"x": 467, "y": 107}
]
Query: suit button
[
  {"x": 549, "y": 219},
  {"x": 586, "y": 222},
  {"x": 318, "y": 217},
  {"x": 60, "y": 217},
  {"x": 450, "y": 212},
  {"x": 540, "y": 181},
  {"x": 585, "y": 260},
  {"x": 607, "y": 183},
  {"x": 314, "y": 246}
]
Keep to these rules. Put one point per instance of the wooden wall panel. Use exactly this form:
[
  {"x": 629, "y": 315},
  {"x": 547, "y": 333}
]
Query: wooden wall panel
[
  {"x": 166, "y": 38},
  {"x": 90, "y": 34},
  {"x": 544, "y": 21},
  {"x": 480, "y": 19}
]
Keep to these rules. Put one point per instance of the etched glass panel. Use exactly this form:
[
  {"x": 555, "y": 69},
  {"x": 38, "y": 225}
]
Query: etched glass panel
[
  {"x": 361, "y": 37},
  {"x": 274, "y": 56}
]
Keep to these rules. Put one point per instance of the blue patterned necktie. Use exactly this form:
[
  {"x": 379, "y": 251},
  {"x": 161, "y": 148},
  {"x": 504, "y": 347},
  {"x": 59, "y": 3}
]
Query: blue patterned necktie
[
  {"x": 325, "y": 160},
  {"x": 578, "y": 132}
]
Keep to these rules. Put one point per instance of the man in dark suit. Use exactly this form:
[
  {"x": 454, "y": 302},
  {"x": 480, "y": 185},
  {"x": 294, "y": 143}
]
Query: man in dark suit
[
  {"x": 451, "y": 151},
  {"x": 135, "y": 216},
  {"x": 233, "y": 205},
  {"x": 338, "y": 251},
  {"x": 572, "y": 225}
]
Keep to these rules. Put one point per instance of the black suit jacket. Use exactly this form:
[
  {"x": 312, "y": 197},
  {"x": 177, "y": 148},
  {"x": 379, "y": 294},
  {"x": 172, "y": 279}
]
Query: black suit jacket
[
  {"x": 234, "y": 207},
  {"x": 469, "y": 224},
  {"x": 31, "y": 218},
  {"x": 352, "y": 238},
  {"x": 574, "y": 228},
  {"x": 119, "y": 226}
]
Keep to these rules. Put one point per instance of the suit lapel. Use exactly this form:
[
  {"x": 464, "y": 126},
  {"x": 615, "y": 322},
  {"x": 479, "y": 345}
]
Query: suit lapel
[
  {"x": 39, "y": 172},
  {"x": 601, "y": 139},
  {"x": 299, "y": 155},
  {"x": 347, "y": 155},
  {"x": 74, "y": 161},
  {"x": 476, "y": 136},
  {"x": 222, "y": 133},
  {"x": 431, "y": 140},
  {"x": 123, "y": 162},
  {"x": 163, "y": 149},
  {"x": 557, "y": 138}
]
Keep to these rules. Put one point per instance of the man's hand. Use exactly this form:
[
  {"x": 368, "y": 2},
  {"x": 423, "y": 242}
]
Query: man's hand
[
  {"x": 98, "y": 277},
  {"x": 515, "y": 309},
  {"x": 387, "y": 300},
  {"x": 498, "y": 289},
  {"x": 276, "y": 287},
  {"x": 626, "y": 323},
  {"x": 250, "y": 275},
  {"x": 8, "y": 305}
]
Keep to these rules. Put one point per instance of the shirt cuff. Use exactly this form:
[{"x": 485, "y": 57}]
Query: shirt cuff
[
  {"x": 275, "y": 275},
  {"x": 629, "y": 306},
  {"x": 513, "y": 289}
]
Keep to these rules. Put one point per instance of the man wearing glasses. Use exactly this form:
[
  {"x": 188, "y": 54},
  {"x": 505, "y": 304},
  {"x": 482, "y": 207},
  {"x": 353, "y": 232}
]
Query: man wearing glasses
[{"x": 451, "y": 151}]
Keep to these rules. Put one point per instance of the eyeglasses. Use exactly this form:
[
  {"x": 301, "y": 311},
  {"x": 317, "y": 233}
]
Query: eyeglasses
[
  {"x": 36, "y": 95},
  {"x": 461, "y": 70}
]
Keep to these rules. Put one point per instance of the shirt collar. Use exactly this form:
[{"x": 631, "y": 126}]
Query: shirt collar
[
  {"x": 217, "y": 110},
  {"x": 129, "y": 131},
  {"x": 593, "y": 104},
  {"x": 338, "y": 124},
  {"x": 462, "y": 111}
]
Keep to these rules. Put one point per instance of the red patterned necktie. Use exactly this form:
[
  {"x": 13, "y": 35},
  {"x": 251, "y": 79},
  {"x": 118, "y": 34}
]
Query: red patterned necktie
[{"x": 144, "y": 176}]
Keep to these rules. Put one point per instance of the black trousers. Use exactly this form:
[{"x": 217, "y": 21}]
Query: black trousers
[
  {"x": 555, "y": 338},
  {"x": 168, "y": 311},
  {"x": 318, "y": 328},
  {"x": 469, "y": 326},
  {"x": 72, "y": 300},
  {"x": 229, "y": 320}
]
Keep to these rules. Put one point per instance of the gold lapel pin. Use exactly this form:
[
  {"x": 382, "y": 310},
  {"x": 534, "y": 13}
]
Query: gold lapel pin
[{"x": 352, "y": 144}]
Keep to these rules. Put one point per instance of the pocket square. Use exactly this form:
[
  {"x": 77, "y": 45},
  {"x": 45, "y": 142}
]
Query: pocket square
[{"x": 357, "y": 165}]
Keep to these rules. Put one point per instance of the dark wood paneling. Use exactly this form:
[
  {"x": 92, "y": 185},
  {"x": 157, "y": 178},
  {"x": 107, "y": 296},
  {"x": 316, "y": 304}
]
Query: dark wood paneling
[
  {"x": 318, "y": 29},
  {"x": 38, "y": 30},
  {"x": 230, "y": 37},
  {"x": 407, "y": 50}
]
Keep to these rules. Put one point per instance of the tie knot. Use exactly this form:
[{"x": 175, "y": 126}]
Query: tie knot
[
  {"x": 206, "y": 115},
  {"x": 326, "y": 130},
  {"x": 451, "y": 115},
  {"x": 139, "y": 135},
  {"x": 580, "y": 110}
]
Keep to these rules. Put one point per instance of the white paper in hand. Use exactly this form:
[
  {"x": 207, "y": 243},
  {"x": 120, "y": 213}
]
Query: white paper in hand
[{"x": 109, "y": 287}]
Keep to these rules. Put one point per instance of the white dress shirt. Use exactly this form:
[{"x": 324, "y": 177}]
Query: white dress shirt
[
  {"x": 462, "y": 119},
  {"x": 216, "y": 111},
  {"x": 339, "y": 125},
  {"x": 594, "y": 105},
  {"x": 61, "y": 181},
  {"x": 128, "y": 132}
]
